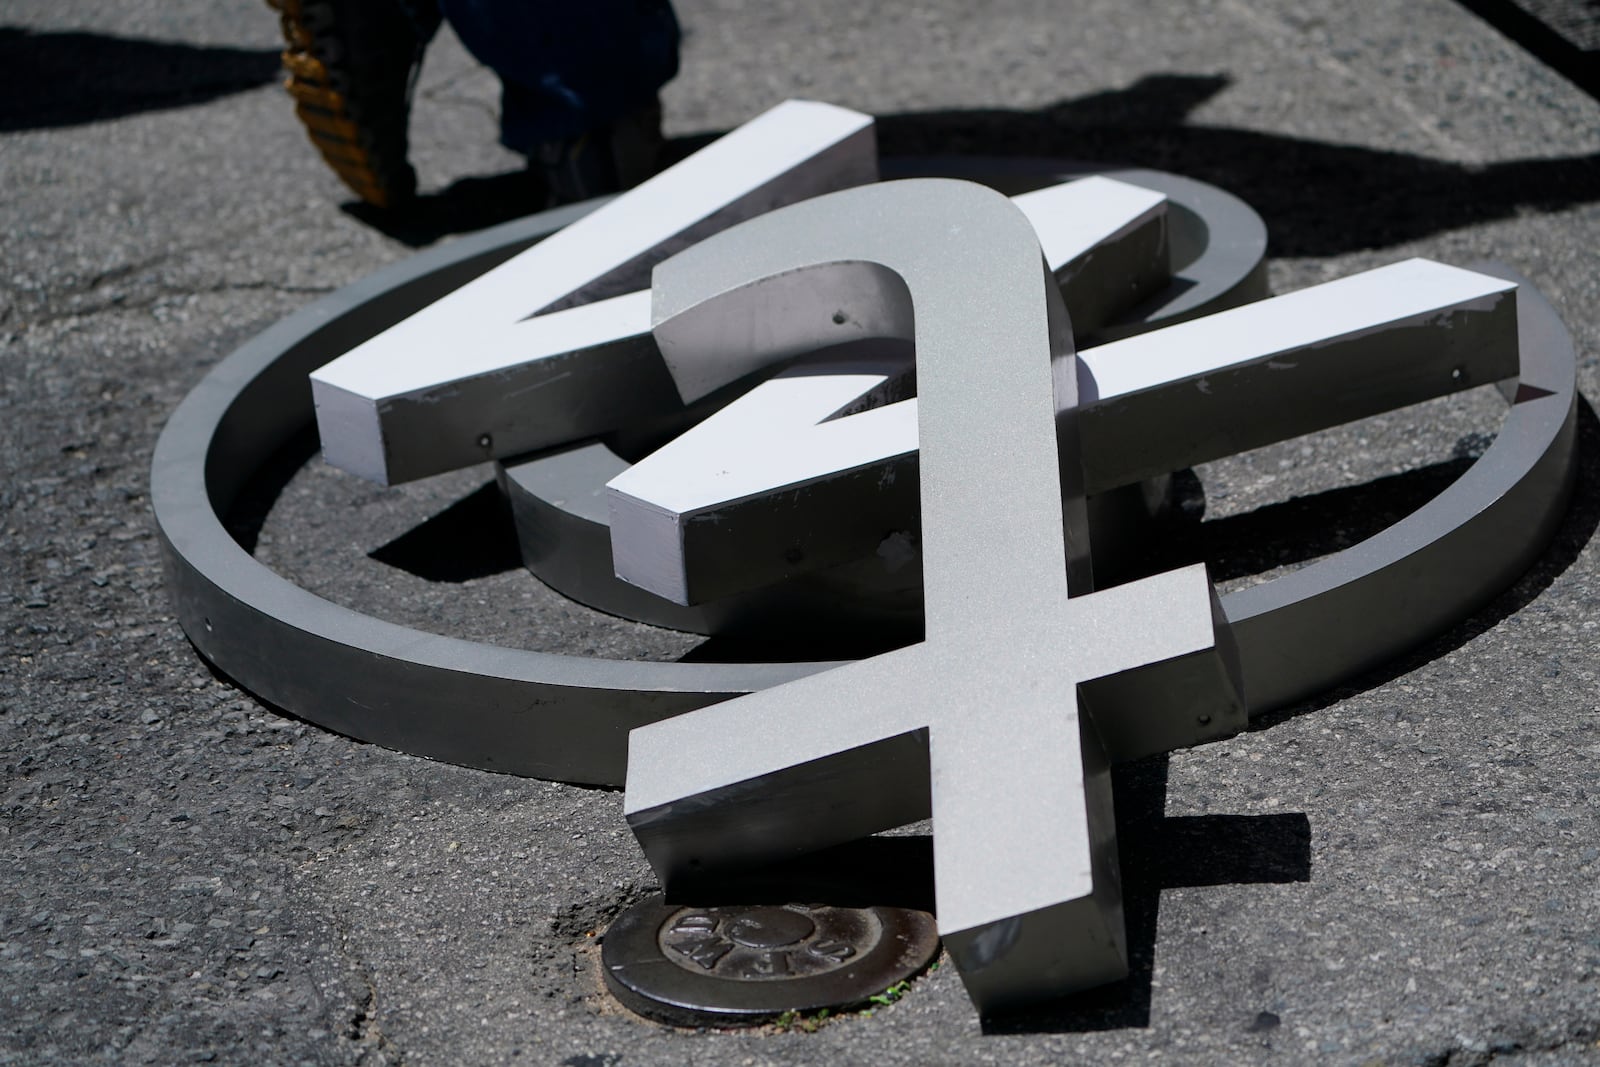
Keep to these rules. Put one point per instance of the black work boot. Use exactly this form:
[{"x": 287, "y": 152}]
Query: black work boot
[
  {"x": 614, "y": 157},
  {"x": 352, "y": 66}
]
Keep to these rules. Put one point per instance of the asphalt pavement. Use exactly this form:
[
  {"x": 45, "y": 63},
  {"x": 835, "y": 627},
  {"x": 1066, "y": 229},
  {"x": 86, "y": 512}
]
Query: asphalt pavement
[{"x": 1402, "y": 871}]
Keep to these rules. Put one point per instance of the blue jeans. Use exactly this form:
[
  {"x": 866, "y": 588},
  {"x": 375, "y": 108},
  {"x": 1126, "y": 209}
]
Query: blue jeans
[{"x": 568, "y": 68}]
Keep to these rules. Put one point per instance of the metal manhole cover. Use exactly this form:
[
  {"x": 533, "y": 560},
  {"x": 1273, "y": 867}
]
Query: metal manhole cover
[{"x": 736, "y": 965}]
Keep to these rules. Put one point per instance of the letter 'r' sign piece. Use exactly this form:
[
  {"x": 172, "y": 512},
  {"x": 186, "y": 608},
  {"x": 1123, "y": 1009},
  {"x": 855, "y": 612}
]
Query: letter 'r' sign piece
[{"x": 982, "y": 723}]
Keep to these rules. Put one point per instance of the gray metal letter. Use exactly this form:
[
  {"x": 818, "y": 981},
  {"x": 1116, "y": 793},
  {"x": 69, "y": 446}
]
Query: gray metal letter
[{"x": 981, "y": 723}]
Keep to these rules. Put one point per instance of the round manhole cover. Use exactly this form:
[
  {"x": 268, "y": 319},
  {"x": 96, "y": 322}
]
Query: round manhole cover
[{"x": 735, "y": 965}]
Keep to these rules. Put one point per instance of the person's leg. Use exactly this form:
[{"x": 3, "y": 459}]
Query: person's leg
[
  {"x": 579, "y": 83},
  {"x": 568, "y": 68}
]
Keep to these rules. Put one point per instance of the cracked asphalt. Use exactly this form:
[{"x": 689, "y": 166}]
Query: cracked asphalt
[{"x": 1403, "y": 871}]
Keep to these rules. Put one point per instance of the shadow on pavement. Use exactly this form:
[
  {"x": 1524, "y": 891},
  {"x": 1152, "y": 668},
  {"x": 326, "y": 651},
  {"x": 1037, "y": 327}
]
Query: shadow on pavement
[
  {"x": 472, "y": 538},
  {"x": 1564, "y": 35},
  {"x": 54, "y": 79},
  {"x": 1318, "y": 198},
  {"x": 1156, "y": 853},
  {"x": 466, "y": 205},
  {"x": 886, "y": 871},
  {"x": 1569, "y": 542},
  {"x": 247, "y": 512}
]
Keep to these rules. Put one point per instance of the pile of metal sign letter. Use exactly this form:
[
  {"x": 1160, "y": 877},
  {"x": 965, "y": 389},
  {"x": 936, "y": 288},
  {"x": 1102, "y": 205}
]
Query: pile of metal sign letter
[{"x": 873, "y": 404}]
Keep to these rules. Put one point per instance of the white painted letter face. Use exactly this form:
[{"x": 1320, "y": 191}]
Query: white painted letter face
[{"x": 501, "y": 366}]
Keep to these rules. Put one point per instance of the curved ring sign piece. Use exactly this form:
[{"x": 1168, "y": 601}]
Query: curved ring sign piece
[{"x": 888, "y": 401}]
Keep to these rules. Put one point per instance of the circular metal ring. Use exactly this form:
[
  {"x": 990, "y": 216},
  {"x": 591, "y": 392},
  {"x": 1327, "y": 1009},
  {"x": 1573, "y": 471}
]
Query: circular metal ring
[
  {"x": 1307, "y": 630},
  {"x": 548, "y": 716},
  {"x": 567, "y": 717}
]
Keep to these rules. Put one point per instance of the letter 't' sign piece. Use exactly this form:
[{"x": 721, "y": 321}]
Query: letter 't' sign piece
[{"x": 981, "y": 723}]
